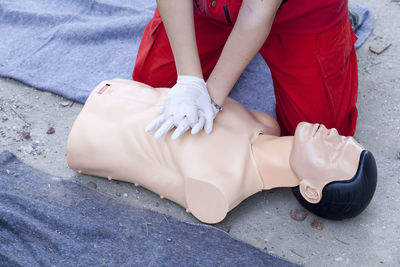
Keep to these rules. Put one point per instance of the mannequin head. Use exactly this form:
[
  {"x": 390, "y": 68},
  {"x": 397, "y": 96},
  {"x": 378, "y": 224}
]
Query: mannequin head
[
  {"x": 333, "y": 171},
  {"x": 320, "y": 156}
]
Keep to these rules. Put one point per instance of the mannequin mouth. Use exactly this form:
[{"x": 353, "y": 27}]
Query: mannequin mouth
[{"x": 316, "y": 127}]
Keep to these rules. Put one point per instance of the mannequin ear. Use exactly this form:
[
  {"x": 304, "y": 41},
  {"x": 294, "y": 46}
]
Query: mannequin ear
[{"x": 309, "y": 192}]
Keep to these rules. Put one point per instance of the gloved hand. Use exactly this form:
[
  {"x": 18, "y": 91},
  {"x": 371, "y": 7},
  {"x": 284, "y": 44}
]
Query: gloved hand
[
  {"x": 186, "y": 105},
  {"x": 184, "y": 125}
]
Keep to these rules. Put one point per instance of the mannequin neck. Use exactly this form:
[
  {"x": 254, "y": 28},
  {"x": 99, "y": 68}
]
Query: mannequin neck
[{"x": 272, "y": 154}]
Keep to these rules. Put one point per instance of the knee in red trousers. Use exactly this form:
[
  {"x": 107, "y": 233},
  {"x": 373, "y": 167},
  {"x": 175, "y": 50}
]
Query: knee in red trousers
[{"x": 315, "y": 78}]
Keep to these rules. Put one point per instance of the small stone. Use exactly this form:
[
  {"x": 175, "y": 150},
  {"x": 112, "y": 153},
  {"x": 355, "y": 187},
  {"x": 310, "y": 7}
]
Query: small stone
[
  {"x": 92, "y": 185},
  {"x": 26, "y": 135},
  {"x": 28, "y": 149},
  {"x": 169, "y": 239},
  {"x": 118, "y": 194},
  {"x": 8, "y": 171},
  {"x": 65, "y": 103},
  {"x": 4, "y": 118},
  {"x": 51, "y": 130},
  {"x": 50, "y": 250},
  {"x": 16, "y": 174},
  {"x": 125, "y": 195},
  {"x": 298, "y": 215},
  {"x": 317, "y": 224}
]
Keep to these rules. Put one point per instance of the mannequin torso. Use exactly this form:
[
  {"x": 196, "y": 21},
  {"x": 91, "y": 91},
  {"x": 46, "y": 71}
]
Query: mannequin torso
[{"x": 209, "y": 175}]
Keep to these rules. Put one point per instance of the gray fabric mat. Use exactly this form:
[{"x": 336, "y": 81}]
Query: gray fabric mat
[
  {"x": 68, "y": 46},
  {"x": 48, "y": 221},
  {"x": 365, "y": 23}
]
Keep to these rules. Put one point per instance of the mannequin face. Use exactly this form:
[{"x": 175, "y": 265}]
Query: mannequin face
[{"x": 321, "y": 156}]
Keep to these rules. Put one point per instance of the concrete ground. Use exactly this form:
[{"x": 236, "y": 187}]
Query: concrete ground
[{"x": 371, "y": 239}]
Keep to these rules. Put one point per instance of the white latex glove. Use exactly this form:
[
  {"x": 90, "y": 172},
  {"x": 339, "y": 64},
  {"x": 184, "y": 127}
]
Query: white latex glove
[
  {"x": 184, "y": 125},
  {"x": 187, "y": 104}
]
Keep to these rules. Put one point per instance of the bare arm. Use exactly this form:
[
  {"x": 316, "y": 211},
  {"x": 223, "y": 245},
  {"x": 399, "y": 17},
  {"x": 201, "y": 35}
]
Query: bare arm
[
  {"x": 247, "y": 37},
  {"x": 188, "y": 104},
  {"x": 177, "y": 16}
]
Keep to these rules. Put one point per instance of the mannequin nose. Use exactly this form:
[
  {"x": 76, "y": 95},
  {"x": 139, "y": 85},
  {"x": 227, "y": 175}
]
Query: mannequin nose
[
  {"x": 332, "y": 132},
  {"x": 333, "y": 136}
]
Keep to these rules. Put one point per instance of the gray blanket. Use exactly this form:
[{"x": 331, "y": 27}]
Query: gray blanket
[
  {"x": 47, "y": 221},
  {"x": 68, "y": 46}
]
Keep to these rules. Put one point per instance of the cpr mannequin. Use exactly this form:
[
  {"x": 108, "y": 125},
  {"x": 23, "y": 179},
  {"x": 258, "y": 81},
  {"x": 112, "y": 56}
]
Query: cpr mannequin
[{"x": 211, "y": 174}]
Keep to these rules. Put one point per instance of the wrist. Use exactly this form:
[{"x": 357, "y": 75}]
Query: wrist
[
  {"x": 191, "y": 73},
  {"x": 217, "y": 90},
  {"x": 189, "y": 78},
  {"x": 217, "y": 106},
  {"x": 216, "y": 99}
]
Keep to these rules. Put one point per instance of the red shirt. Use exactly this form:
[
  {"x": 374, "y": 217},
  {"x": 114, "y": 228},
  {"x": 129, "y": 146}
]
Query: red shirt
[{"x": 293, "y": 17}]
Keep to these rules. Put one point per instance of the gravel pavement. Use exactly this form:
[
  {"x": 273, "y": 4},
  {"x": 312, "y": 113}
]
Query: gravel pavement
[{"x": 269, "y": 220}]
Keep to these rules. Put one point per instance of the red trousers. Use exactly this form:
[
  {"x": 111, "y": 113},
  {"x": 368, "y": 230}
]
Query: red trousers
[{"x": 315, "y": 75}]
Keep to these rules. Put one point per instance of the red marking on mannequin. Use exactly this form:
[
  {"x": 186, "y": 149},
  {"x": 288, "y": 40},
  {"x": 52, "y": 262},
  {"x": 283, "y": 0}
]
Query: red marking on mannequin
[{"x": 105, "y": 87}]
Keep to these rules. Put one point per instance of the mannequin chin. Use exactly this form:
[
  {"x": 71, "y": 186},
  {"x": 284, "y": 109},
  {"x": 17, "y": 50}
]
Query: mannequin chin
[{"x": 210, "y": 174}]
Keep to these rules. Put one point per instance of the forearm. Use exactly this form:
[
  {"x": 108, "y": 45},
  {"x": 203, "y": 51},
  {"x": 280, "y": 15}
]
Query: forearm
[
  {"x": 248, "y": 35},
  {"x": 177, "y": 16}
]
